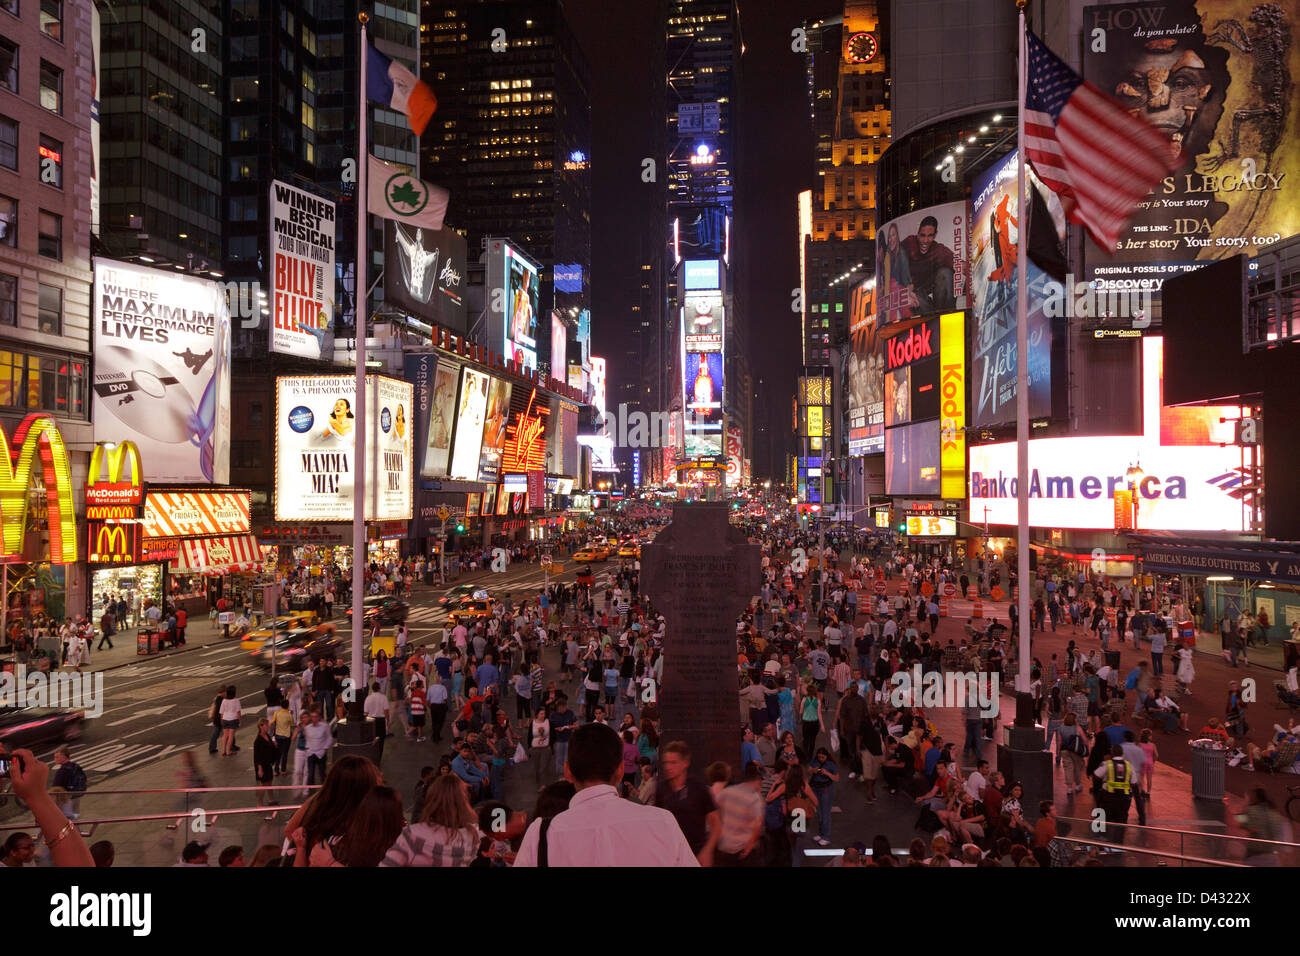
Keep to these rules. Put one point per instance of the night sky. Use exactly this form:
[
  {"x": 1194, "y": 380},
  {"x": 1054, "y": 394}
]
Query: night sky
[{"x": 773, "y": 165}]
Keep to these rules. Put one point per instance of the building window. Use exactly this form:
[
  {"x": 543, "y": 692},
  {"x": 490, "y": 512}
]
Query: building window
[
  {"x": 8, "y": 222},
  {"x": 51, "y": 161},
  {"x": 246, "y": 454},
  {"x": 50, "y": 316},
  {"x": 43, "y": 382},
  {"x": 51, "y": 87},
  {"x": 50, "y": 237},
  {"x": 8, "y": 142},
  {"x": 52, "y": 18},
  {"x": 9, "y": 6},
  {"x": 9, "y": 73},
  {"x": 243, "y": 88},
  {"x": 8, "y": 299}
]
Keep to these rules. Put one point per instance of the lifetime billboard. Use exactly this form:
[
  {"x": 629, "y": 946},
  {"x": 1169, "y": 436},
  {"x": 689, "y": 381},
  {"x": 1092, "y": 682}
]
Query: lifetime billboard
[{"x": 1217, "y": 78}]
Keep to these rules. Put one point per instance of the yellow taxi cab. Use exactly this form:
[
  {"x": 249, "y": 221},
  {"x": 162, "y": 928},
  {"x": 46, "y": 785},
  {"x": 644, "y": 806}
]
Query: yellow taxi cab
[
  {"x": 279, "y": 626},
  {"x": 471, "y": 609},
  {"x": 593, "y": 552},
  {"x": 630, "y": 549}
]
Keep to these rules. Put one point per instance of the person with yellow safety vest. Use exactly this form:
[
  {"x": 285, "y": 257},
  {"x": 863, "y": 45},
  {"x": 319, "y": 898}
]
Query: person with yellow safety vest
[{"x": 1119, "y": 781}]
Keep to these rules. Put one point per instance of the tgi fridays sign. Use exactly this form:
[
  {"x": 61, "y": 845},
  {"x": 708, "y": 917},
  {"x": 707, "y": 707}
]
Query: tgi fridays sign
[
  {"x": 193, "y": 514},
  {"x": 302, "y": 271}
]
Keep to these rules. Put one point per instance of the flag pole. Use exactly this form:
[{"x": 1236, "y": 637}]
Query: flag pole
[
  {"x": 1022, "y": 377},
  {"x": 359, "y": 425}
]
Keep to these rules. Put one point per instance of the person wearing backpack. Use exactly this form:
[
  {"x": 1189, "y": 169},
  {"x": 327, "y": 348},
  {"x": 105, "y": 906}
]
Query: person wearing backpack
[
  {"x": 71, "y": 778},
  {"x": 1073, "y": 750}
]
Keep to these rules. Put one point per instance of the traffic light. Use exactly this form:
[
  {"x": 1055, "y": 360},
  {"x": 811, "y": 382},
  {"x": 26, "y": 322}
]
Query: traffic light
[
  {"x": 902, "y": 527},
  {"x": 460, "y": 527}
]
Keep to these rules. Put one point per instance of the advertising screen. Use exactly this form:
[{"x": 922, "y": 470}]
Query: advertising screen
[
  {"x": 316, "y": 455},
  {"x": 931, "y": 526},
  {"x": 522, "y": 297},
  {"x": 864, "y": 373},
  {"x": 424, "y": 273},
  {"x": 702, "y": 322},
  {"x": 703, "y": 274},
  {"x": 559, "y": 348},
  {"x": 912, "y": 459},
  {"x": 301, "y": 271},
  {"x": 952, "y": 403},
  {"x": 526, "y": 439},
  {"x": 1187, "y": 483},
  {"x": 921, "y": 263},
  {"x": 703, "y": 383},
  {"x": 495, "y": 422},
  {"x": 598, "y": 382},
  {"x": 471, "y": 411},
  {"x": 435, "y": 411},
  {"x": 1213, "y": 76},
  {"x": 912, "y": 372},
  {"x": 162, "y": 370},
  {"x": 993, "y": 309},
  {"x": 568, "y": 277}
]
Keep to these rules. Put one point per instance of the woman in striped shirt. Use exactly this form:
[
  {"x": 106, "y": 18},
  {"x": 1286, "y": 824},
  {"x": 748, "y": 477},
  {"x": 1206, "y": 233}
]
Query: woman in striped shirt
[{"x": 447, "y": 834}]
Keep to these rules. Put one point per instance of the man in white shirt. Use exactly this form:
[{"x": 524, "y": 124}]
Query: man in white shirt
[
  {"x": 977, "y": 781},
  {"x": 600, "y": 828},
  {"x": 834, "y": 636},
  {"x": 376, "y": 708},
  {"x": 319, "y": 742}
]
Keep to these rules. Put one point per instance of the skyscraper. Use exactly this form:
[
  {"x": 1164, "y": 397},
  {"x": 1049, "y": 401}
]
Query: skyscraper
[{"x": 511, "y": 139}]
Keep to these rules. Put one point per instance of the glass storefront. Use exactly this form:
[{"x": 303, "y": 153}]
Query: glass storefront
[{"x": 138, "y": 584}]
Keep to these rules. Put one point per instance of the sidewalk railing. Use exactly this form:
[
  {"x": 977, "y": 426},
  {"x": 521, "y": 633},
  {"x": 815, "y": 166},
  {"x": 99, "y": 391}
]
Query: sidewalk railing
[
  {"x": 1192, "y": 842},
  {"x": 1131, "y": 855}
]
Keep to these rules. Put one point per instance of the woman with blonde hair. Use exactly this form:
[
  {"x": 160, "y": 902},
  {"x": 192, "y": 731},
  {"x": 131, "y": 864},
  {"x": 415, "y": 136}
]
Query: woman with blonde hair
[{"x": 447, "y": 834}]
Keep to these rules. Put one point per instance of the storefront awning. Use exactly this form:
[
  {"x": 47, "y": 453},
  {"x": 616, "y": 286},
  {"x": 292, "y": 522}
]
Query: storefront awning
[{"x": 217, "y": 555}]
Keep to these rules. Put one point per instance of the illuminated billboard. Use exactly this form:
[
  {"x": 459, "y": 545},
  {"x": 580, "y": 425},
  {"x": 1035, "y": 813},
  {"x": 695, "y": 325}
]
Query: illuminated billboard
[
  {"x": 522, "y": 299},
  {"x": 301, "y": 271},
  {"x": 425, "y": 273},
  {"x": 702, "y": 322},
  {"x": 316, "y": 455},
  {"x": 703, "y": 386},
  {"x": 38, "y": 451},
  {"x": 952, "y": 404},
  {"x": 912, "y": 459},
  {"x": 1188, "y": 482},
  {"x": 435, "y": 384},
  {"x": 994, "y": 253},
  {"x": 559, "y": 348},
  {"x": 701, "y": 274},
  {"x": 162, "y": 370},
  {"x": 1213, "y": 76},
  {"x": 864, "y": 374},
  {"x": 496, "y": 419},
  {"x": 921, "y": 263},
  {"x": 471, "y": 411},
  {"x": 931, "y": 526}
]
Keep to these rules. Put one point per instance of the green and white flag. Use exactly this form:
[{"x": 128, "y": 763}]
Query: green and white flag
[{"x": 396, "y": 194}]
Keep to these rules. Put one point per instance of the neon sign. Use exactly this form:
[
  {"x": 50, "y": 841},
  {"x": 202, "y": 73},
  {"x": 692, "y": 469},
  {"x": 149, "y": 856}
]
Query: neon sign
[
  {"x": 526, "y": 440},
  {"x": 38, "y": 434},
  {"x": 115, "y": 491}
]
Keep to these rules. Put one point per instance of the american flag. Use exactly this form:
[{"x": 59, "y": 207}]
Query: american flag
[{"x": 1096, "y": 156}]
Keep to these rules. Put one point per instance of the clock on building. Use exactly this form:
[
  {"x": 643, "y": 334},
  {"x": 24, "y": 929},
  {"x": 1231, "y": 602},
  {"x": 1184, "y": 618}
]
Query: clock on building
[{"x": 861, "y": 48}]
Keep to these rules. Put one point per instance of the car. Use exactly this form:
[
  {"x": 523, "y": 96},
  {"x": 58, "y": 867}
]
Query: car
[
  {"x": 630, "y": 550},
  {"x": 472, "y": 609},
  {"x": 385, "y": 608},
  {"x": 36, "y": 727},
  {"x": 278, "y": 625},
  {"x": 456, "y": 594},
  {"x": 293, "y": 649}
]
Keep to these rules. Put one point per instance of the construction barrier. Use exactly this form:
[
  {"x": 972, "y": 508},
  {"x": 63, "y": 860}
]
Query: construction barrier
[
  {"x": 972, "y": 592},
  {"x": 977, "y": 610},
  {"x": 943, "y": 607}
]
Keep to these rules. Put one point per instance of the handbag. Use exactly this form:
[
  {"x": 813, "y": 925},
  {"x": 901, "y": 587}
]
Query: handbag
[
  {"x": 835, "y": 740},
  {"x": 521, "y": 755}
]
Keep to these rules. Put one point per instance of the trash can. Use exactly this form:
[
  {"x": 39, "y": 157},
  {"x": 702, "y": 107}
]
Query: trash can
[
  {"x": 1208, "y": 771},
  {"x": 1112, "y": 660},
  {"x": 146, "y": 642},
  {"x": 1187, "y": 631}
]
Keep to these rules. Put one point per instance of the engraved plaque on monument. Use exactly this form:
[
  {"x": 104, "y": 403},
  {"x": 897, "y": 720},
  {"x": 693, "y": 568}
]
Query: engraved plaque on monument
[{"x": 701, "y": 573}]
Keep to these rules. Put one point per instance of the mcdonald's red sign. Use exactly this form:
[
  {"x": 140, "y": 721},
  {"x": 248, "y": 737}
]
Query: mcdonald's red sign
[{"x": 112, "y": 543}]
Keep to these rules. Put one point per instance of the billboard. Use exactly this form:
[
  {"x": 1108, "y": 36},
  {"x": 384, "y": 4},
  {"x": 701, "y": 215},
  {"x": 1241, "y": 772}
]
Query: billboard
[
  {"x": 559, "y": 348},
  {"x": 434, "y": 383},
  {"x": 912, "y": 459},
  {"x": 1189, "y": 482},
  {"x": 952, "y": 404},
  {"x": 495, "y": 422},
  {"x": 864, "y": 373},
  {"x": 921, "y": 263},
  {"x": 734, "y": 457},
  {"x": 1223, "y": 101},
  {"x": 302, "y": 270},
  {"x": 701, "y": 274},
  {"x": 912, "y": 372},
  {"x": 424, "y": 273},
  {"x": 702, "y": 322},
  {"x": 932, "y": 526},
  {"x": 470, "y": 413},
  {"x": 520, "y": 293},
  {"x": 703, "y": 384},
  {"x": 315, "y": 439},
  {"x": 162, "y": 370},
  {"x": 526, "y": 440},
  {"x": 598, "y": 383},
  {"x": 568, "y": 278},
  {"x": 994, "y": 234}
]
